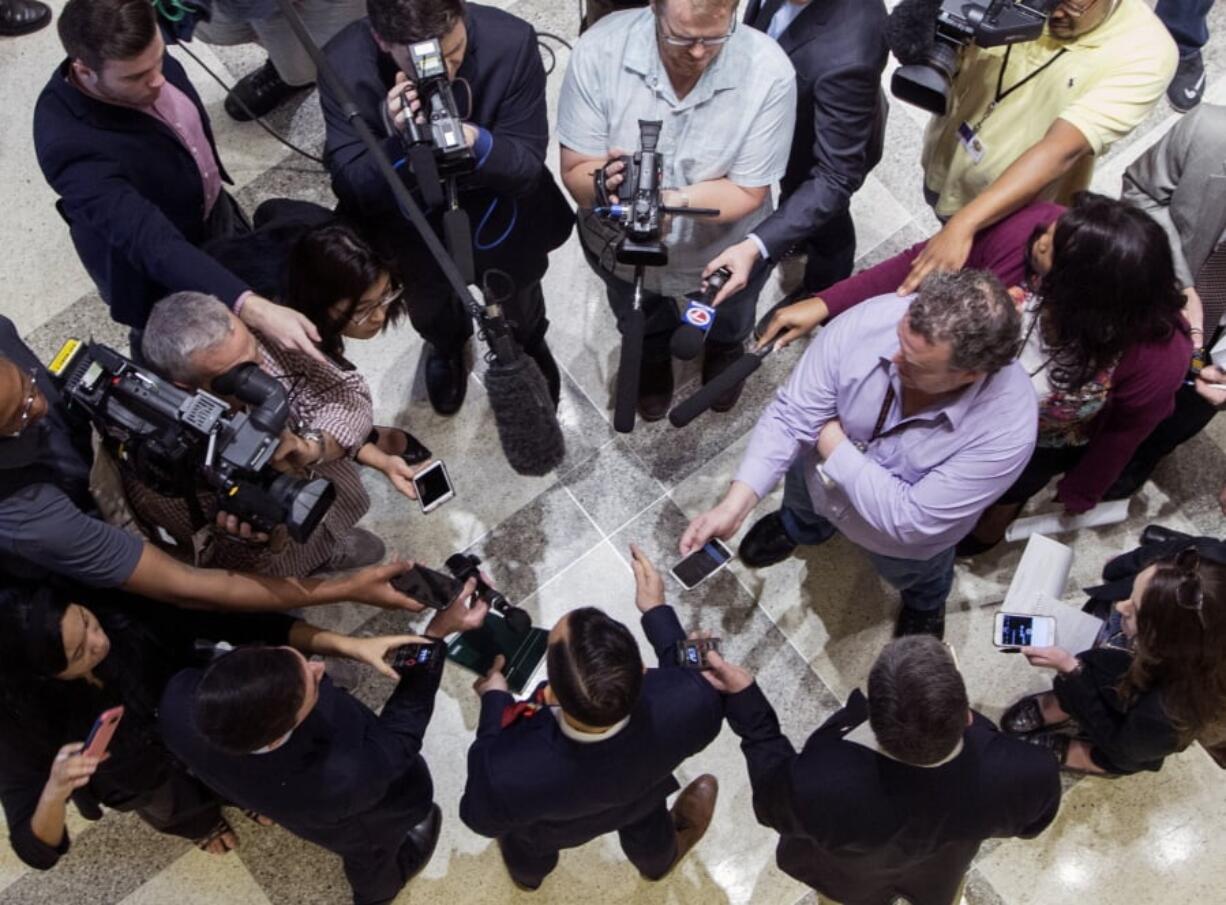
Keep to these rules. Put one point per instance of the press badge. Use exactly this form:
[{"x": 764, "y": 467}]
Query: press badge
[{"x": 971, "y": 142}]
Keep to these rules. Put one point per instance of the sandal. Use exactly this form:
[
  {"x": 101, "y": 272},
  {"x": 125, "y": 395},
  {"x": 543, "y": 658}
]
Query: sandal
[
  {"x": 1026, "y": 716},
  {"x": 257, "y": 818},
  {"x": 220, "y": 828}
]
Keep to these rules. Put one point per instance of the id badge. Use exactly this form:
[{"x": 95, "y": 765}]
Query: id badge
[{"x": 971, "y": 143}]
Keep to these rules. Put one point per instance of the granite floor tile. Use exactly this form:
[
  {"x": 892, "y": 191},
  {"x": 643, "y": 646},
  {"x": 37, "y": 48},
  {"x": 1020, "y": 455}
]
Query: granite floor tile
[
  {"x": 612, "y": 486},
  {"x": 289, "y": 870},
  {"x": 199, "y": 878}
]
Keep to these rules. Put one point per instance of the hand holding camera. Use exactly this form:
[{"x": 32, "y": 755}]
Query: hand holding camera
[{"x": 458, "y": 616}]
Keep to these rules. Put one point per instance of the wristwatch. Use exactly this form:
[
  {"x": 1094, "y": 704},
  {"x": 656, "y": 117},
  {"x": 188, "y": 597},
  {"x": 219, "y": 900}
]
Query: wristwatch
[{"x": 312, "y": 435}]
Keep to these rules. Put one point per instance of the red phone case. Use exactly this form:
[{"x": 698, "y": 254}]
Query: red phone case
[{"x": 102, "y": 731}]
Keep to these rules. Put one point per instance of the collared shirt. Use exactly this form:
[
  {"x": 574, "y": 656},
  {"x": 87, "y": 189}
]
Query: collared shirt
[
  {"x": 735, "y": 123},
  {"x": 785, "y": 16},
  {"x": 919, "y": 487},
  {"x": 864, "y": 736},
  {"x": 176, "y": 110},
  {"x": 1104, "y": 85},
  {"x": 587, "y": 738}
]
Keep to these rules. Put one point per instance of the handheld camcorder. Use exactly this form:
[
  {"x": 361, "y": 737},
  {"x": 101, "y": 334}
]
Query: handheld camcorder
[
  {"x": 929, "y": 50},
  {"x": 166, "y": 437},
  {"x": 639, "y": 209},
  {"x": 443, "y": 131},
  {"x": 464, "y": 566}
]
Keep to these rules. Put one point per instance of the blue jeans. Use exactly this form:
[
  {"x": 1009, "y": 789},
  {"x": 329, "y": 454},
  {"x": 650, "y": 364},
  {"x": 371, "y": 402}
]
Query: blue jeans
[
  {"x": 923, "y": 583},
  {"x": 1188, "y": 23}
]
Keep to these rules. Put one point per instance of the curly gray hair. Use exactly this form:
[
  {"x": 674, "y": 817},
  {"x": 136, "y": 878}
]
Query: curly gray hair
[{"x": 972, "y": 311}]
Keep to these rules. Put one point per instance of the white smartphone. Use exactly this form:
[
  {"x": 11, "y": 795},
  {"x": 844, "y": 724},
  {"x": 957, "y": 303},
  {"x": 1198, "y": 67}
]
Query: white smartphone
[
  {"x": 1014, "y": 630},
  {"x": 433, "y": 486},
  {"x": 702, "y": 564}
]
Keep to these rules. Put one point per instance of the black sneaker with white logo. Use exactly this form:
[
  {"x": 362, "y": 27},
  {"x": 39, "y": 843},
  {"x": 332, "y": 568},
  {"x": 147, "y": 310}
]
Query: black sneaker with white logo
[{"x": 1188, "y": 86}]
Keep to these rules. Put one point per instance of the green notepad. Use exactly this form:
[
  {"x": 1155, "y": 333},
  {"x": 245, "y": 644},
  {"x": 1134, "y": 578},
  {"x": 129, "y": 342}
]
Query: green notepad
[{"x": 477, "y": 649}]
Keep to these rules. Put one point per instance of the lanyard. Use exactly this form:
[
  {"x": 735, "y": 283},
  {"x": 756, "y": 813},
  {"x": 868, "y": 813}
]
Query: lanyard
[
  {"x": 886, "y": 403},
  {"x": 1001, "y": 94}
]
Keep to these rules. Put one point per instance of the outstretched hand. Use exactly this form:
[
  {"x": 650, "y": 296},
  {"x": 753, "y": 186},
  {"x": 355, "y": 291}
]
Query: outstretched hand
[{"x": 946, "y": 252}]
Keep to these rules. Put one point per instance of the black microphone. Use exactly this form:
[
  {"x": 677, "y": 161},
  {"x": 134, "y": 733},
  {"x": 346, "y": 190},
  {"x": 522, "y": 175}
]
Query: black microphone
[
  {"x": 699, "y": 315},
  {"x": 693, "y": 406},
  {"x": 910, "y": 30},
  {"x": 527, "y": 423}
]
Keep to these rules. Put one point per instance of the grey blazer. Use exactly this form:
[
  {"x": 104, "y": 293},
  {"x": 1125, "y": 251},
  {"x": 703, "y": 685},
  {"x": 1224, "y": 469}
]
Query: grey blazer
[{"x": 1181, "y": 183}]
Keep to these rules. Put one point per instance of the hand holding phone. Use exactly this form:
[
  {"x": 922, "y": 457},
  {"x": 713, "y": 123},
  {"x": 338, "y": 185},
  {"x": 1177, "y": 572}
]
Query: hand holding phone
[
  {"x": 428, "y": 586},
  {"x": 433, "y": 486},
  {"x": 702, "y": 563},
  {"x": 417, "y": 657},
  {"x": 692, "y": 652},
  {"x": 1013, "y": 631}
]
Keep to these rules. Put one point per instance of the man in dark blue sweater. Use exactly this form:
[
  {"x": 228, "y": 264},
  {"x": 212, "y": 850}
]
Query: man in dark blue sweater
[{"x": 594, "y": 752}]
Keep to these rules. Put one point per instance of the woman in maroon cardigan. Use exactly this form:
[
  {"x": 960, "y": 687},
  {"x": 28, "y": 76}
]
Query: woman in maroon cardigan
[{"x": 1106, "y": 344}]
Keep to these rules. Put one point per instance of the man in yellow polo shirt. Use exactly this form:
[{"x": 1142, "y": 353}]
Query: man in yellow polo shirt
[{"x": 1026, "y": 121}]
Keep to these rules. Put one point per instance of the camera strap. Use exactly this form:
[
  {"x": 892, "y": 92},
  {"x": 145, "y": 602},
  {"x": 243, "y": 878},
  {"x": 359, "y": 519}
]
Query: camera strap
[{"x": 1001, "y": 93}]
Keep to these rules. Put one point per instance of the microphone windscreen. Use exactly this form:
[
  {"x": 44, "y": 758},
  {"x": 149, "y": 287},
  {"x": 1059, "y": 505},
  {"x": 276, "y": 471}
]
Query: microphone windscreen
[
  {"x": 910, "y": 30},
  {"x": 693, "y": 406},
  {"x": 687, "y": 342},
  {"x": 628, "y": 364},
  {"x": 528, "y": 427}
]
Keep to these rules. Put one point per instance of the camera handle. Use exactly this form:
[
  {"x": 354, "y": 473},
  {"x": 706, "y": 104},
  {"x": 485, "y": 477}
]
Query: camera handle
[{"x": 630, "y": 360}]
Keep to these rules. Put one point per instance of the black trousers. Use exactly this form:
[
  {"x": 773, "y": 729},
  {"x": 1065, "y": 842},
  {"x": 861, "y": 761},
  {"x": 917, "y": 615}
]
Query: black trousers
[
  {"x": 650, "y": 843},
  {"x": 444, "y": 323},
  {"x": 1192, "y": 413},
  {"x": 1044, "y": 464},
  {"x": 832, "y": 253}
]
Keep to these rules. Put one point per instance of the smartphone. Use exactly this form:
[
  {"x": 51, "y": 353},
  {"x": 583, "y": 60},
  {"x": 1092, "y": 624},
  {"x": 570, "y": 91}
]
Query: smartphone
[
  {"x": 702, "y": 564},
  {"x": 415, "y": 656},
  {"x": 428, "y": 586},
  {"x": 1015, "y": 630},
  {"x": 692, "y": 653},
  {"x": 433, "y": 487},
  {"x": 100, "y": 735}
]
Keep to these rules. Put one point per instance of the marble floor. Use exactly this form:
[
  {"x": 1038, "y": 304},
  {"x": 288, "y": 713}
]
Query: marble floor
[{"x": 808, "y": 628}]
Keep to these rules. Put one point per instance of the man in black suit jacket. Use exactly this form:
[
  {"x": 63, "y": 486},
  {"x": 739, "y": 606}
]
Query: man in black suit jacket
[
  {"x": 838, "y": 49},
  {"x": 123, "y": 139},
  {"x": 516, "y": 211},
  {"x": 596, "y": 750},
  {"x": 267, "y": 730},
  {"x": 893, "y": 795}
]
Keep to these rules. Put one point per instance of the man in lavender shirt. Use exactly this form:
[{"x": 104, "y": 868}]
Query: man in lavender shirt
[{"x": 903, "y": 421}]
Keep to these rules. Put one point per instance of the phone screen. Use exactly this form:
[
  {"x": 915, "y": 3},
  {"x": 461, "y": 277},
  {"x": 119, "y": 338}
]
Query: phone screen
[
  {"x": 701, "y": 563},
  {"x": 435, "y": 589},
  {"x": 1016, "y": 631},
  {"x": 432, "y": 485}
]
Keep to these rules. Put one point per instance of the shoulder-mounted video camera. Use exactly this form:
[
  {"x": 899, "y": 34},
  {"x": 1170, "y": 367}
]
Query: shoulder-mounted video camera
[
  {"x": 927, "y": 36},
  {"x": 166, "y": 436},
  {"x": 639, "y": 208}
]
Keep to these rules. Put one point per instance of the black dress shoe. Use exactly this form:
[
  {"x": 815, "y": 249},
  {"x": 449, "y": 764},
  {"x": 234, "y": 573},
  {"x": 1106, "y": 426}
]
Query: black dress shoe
[
  {"x": 419, "y": 843},
  {"x": 260, "y": 92},
  {"x": 655, "y": 389},
  {"x": 1160, "y": 534},
  {"x": 717, "y": 358},
  {"x": 446, "y": 380},
  {"x": 766, "y": 543},
  {"x": 21, "y": 17},
  {"x": 973, "y": 546},
  {"x": 920, "y": 622}
]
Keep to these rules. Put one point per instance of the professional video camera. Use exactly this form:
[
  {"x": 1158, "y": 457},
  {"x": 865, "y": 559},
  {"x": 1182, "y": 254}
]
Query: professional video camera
[
  {"x": 443, "y": 131},
  {"x": 929, "y": 52},
  {"x": 167, "y": 436},
  {"x": 639, "y": 209}
]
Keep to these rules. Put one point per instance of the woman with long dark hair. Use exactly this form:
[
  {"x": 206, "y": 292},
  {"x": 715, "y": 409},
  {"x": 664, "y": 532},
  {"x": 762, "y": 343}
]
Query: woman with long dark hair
[
  {"x": 1106, "y": 347},
  {"x": 1154, "y": 681},
  {"x": 62, "y": 663}
]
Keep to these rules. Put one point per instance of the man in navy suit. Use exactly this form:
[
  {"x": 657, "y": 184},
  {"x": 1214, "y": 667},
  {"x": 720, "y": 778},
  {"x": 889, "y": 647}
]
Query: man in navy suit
[
  {"x": 266, "y": 729},
  {"x": 893, "y": 795},
  {"x": 123, "y": 139},
  {"x": 839, "y": 51},
  {"x": 594, "y": 752},
  {"x": 516, "y": 211}
]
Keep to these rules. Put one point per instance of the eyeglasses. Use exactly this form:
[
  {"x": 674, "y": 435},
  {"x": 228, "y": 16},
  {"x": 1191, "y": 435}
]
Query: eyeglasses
[
  {"x": 27, "y": 406},
  {"x": 684, "y": 41},
  {"x": 390, "y": 298},
  {"x": 1074, "y": 12},
  {"x": 1190, "y": 595}
]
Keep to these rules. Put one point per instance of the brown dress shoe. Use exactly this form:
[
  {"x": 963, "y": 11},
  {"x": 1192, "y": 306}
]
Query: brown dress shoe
[{"x": 692, "y": 814}]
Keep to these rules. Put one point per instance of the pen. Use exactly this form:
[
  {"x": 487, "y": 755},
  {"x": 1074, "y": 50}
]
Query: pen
[{"x": 1216, "y": 386}]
